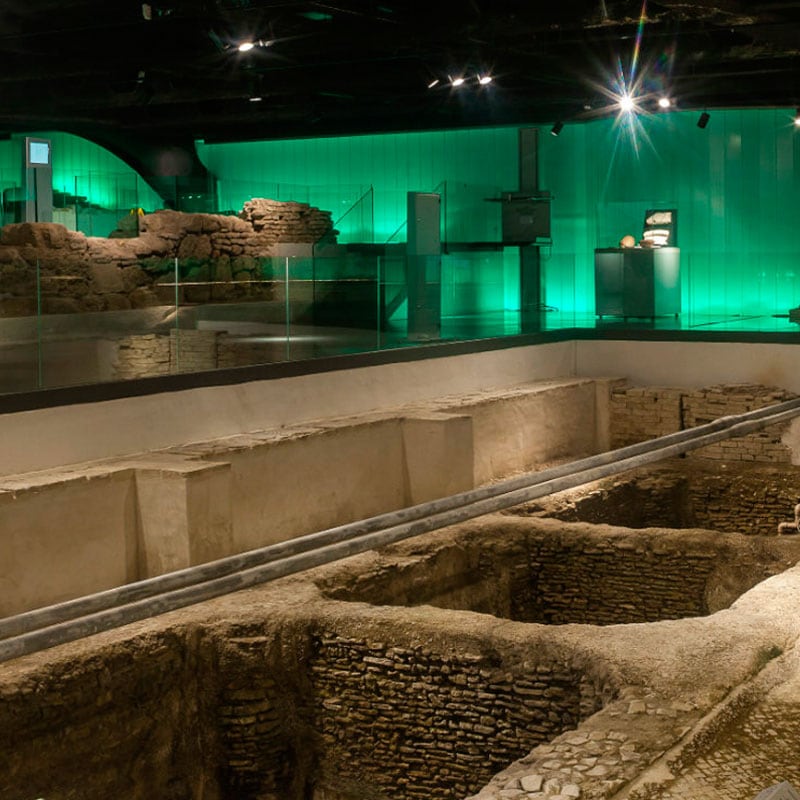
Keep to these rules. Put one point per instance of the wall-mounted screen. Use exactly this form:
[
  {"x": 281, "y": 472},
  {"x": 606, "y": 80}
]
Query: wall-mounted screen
[{"x": 38, "y": 154}]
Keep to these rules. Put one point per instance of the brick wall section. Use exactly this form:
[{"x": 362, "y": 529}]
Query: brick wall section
[
  {"x": 126, "y": 722},
  {"x": 412, "y": 723},
  {"x": 179, "y": 351},
  {"x": 143, "y": 355},
  {"x": 190, "y": 350},
  {"x": 719, "y": 401},
  {"x": 558, "y": 573},
  {"x": 641, "y": 413},
  {"x": 611, "y": 582},
  {"x": 264, "y": 755},
  {"x": 736, "y": 497}
]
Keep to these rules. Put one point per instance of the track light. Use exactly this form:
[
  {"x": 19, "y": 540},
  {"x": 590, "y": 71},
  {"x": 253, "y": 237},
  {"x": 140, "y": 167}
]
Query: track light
[
  {"x": 664, "y": 102},
  {"x": 626, "y": 104},
  {"x": 434, "y": 82},
  {"x": 483, "y": 80},
  {"x": 557, "y": 128},
  {"x": 246, "y": 47},
  {"x": 704, "y": 118},
  {"x": 457, "y": 82}
]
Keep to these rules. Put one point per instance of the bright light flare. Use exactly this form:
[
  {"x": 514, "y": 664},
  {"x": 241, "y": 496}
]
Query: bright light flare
[
  {"x": 483, "y": 80},
  {"x": 246, "y": 47},
  {"x": 626, "y": 104},
  {"x": 664, "y": 102},
  {"x": 457, "y": 82}
]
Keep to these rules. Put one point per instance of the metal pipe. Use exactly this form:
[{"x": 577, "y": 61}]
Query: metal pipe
[
  {"x": 355, "y": 538},
  {"x": 54, "y": 614}
]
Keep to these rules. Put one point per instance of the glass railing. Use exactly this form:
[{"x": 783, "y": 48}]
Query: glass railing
[{"x": 67, "y": 320}]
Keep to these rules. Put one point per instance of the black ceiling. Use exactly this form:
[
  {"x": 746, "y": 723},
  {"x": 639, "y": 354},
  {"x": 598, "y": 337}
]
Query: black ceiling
[{"x": 102, "y": 69}]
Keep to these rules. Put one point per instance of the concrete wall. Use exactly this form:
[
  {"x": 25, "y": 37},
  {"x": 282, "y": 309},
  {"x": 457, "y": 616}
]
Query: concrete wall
[
  {"x": 40, "y": 439},
  {"x": 53, "y": 437},
  {"x": 193, "y": 504},
  {"x": 690, "y": 364},
  {"x": 65, "y": 538}
]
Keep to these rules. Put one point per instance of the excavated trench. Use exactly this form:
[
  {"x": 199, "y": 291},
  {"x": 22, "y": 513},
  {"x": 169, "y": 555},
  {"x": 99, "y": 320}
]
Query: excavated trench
[{"x": 391, "y": 681}]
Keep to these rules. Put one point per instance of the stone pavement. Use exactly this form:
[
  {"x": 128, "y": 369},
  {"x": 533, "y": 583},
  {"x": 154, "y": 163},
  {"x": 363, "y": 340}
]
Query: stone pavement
[{"x": 758, "y": 748}]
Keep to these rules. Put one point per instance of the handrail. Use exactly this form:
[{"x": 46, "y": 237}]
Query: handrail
[{"x": 46, "y": 627}]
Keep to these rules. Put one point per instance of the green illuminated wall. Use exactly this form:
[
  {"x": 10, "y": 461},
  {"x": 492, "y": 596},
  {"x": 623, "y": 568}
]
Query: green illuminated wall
[
  {"x": 85, "y": 169},
  {"x": 467, "y": 166},
  {"x": 735, "y": 185},
  {"x": 339, "y": 169}
]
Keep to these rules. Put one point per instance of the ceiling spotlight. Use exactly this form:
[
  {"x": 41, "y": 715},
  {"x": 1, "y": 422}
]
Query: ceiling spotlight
[
  {"x": 626, "y": 104},
  {"x": 557, "y": 128},
  {"x": 434, "y": 82},
  {"x": 256, "y": 99},
  {"x": 484, "y": 79},
  {"x": 704, "y": 118},
  {"x": 457, "y": 82},
  {"x": 664, "y": 102},
  {"x": 797, "y": 118},
  {"x": 245, "y": 47}
]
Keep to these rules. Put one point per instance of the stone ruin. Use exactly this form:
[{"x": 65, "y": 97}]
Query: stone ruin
[{"x": 220, "y": 259}]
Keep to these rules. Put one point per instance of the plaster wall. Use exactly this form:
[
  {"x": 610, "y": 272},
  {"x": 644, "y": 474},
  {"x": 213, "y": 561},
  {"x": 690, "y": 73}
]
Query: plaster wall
[
  {"x": 192, "y": 504},
  {"x": 52, "y": 437},
  {"x": 66, "y": 539},
  {"x": 690, "y": 364},
  {"x": 44, "y": 438}
]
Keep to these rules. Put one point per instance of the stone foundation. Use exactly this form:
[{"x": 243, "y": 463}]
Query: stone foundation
[
  {"x": 684, "y": 493},
  {"x": 281, "y": 692},
  {"x": 221, "y": 259},
  {"x": 641, "y": 413}
]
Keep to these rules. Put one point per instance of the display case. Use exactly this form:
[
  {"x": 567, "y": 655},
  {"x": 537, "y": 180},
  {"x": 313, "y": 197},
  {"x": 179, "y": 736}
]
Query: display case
[{"x": 637, "y": 281}]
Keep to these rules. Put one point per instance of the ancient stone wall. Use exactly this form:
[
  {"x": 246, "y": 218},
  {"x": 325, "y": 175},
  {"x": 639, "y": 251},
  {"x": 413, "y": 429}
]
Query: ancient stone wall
[
  {"x": 559, "y": 573},
  {"x": 126, "y": 722},
  {"x": 182, "y": 350},
  {"x": 641, "y": 413},
  {"x": 444, "y": 722},
  {"x": 612, "y": 581},
  {"x": 283, "y": 694},
  {"x": 732, "y": 498},
  {"x": 221, "y": 259}
]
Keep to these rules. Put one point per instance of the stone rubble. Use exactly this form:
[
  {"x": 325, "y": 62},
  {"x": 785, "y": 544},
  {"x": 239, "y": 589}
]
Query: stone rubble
[{"x": 221, "y": 258}]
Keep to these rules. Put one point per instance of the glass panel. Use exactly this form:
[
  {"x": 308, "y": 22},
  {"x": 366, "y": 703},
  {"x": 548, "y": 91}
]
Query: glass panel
[
  {"x": 232, "y": 313},
  {"x": 558, "y": 274},
  {"x": 471, "y": 213},
  {"x": 98, "y": 323},
  {"x": 21, "y": 336}
]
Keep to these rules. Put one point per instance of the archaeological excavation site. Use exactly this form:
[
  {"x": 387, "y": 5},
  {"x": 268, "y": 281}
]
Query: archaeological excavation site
[
  {"x": 399, "y": 401},
  {"x": 631, "y": 636}
]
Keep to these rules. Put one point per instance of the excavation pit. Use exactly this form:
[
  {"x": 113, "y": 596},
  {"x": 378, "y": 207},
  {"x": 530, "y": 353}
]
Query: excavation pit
[
  {"x": 553, "y": 572},
  {"x": 728, "y": 497}
]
